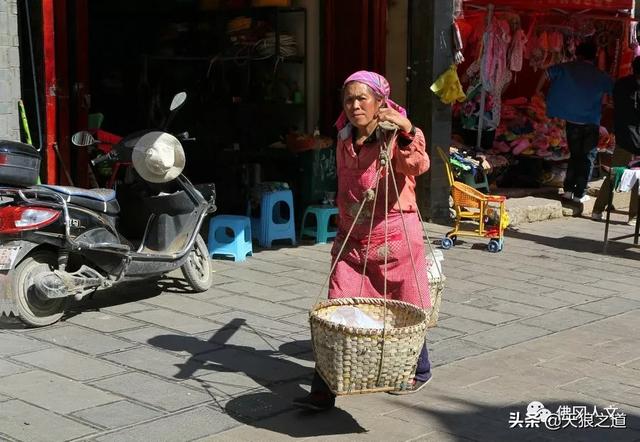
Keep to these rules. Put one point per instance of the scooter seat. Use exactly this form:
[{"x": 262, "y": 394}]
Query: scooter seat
[{"x": 101, "y": 200}]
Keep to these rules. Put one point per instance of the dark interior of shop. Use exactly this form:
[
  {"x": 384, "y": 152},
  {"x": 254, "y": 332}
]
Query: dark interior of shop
[{"x": 241, "y": 98}]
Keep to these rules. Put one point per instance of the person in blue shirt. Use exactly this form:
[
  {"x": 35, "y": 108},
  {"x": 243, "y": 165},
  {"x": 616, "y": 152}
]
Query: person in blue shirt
[{"x": 576, "y": 94}]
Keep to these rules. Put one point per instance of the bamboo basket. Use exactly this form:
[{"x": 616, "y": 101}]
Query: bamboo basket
[
  {"x": 355, "y": 360},
  {"x": 436, "y": 287}
]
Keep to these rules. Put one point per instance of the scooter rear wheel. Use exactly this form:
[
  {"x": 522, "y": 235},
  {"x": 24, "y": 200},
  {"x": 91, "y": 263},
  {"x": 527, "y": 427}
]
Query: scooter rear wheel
[
  {"x": 197, "y": 268},
  {"x": 35, "y": 309}
]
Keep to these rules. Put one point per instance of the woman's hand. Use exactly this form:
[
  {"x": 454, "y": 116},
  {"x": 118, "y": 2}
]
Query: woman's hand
[{"x": 393, "y": 116}]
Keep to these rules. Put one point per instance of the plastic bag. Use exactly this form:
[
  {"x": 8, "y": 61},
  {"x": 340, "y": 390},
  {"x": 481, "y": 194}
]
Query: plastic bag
[
  {"x": 434, "y": 262},
  {"x": 354, "y": 317},
  {"x": 448, "y": 86}
]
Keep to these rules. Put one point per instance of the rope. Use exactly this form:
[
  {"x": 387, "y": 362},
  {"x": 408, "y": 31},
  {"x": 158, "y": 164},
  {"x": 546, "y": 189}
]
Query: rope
[
  {"x": 366, "y": 197},
  {"x": 366, "y": 255}
]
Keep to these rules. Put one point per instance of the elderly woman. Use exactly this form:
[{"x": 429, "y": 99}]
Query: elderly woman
[{"x": 366, "y": 103}]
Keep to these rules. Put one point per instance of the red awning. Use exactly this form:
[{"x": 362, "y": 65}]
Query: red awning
[{"x": 600, "y": 5}]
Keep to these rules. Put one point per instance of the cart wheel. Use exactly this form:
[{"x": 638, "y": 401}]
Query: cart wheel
[
  {"x": 454, "y": 238},
  {"x": 446, "y": 243},
  {"x": 501, "y": 245},
  {"x": 493, "y": 246}
]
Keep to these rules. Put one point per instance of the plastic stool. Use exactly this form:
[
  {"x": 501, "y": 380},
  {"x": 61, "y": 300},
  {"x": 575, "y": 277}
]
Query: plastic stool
[
  {"x": 470, "y": 180},
  {"x": 321, "y": 231},
  {"x": 271, "y": 225},
  {"x": 220, "y": 243}
]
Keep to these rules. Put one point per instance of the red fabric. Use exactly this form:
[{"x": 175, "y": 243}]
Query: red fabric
[
  {"x": 354, "y": 38},
  {"x": 357, "y": 174},
  {"x": 541, "y": 5}
]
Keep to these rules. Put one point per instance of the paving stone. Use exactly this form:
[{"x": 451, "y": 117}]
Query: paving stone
[
  {"x": 507, "y": 335},
  {"x": 224, "y": 384},
  {"x": 250, "y": 321},
  {"x": 183, "y": 304},
  {"x": 103, "y": 322},
  {"x": 308, "y": 264},
  {"x": 259, "y": 291},
  {"x": 170, "y": 339},
  {"x": 570, "y": 297},
  {"x": 153, "y": 391},
  {"x": 307, "y": 290},
  {"x": 464, "y": 286},
  {"x": 217, "y": 279},
  {"x": 246, "y": 339},
  {"x": 127, "y": 307},
  {"x": 265, "y": 308},
  {"x": 464, "y": 325},
  {"x": 302, "y": 304},
  {"x": 25, "y": 422},
  {"x": 610, "y": 306},
  {"x": 117, "y": 414},
  {"x": 8, "y": 368},
  {"x": 439, "y": 333},
  {"x": 606, "y": 390},
  {"x": 313, "y": 276},
  {"x": 189, "y": 425},
  {"x": 53, "y": 392},
  {"x": 512, "y": 284},
  {"x": 451, "y": 350},
  {"x": 527, "y": 298},
  {"x": 81, "y": 339},
  {"x": 567, "y": 286},
  {"x": 69, "y": 364},
  {"x": 265, "y": 266},
  {"x": 258, "y": 365},
  {"x": 215, "y": 292},
  {"x": 516, "y": 308},
  {"x": 475, "y": 313},
  {"x": 583, "y": 367},
  {"x": 175, "y": 320},
  {"x": 562, "y": 319},
  {"x": 153, "y": 361},
  {"x": 13, "y": 345},
  {"x": 260, "y": 277}
]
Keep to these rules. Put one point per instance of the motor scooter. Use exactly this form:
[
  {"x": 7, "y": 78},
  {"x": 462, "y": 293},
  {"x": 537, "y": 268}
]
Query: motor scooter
[{"x": 62, "y": 242}]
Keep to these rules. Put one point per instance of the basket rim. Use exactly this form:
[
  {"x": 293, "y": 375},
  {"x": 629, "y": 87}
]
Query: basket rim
[{"x": 313, "y": 316}]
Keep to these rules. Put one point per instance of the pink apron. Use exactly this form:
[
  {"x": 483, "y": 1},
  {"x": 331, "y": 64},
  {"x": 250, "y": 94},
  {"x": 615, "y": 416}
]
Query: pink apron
[{"x": 346, "y": 279}]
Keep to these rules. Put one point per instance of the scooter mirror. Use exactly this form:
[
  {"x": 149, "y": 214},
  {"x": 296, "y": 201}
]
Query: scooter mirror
[
  {"x": 178, "y": 100},
  {"x": 82, "y": 138}
]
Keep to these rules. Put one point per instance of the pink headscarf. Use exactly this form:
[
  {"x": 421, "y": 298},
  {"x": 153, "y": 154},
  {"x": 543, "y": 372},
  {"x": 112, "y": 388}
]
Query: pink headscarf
[{"x": 378, "y": 84}]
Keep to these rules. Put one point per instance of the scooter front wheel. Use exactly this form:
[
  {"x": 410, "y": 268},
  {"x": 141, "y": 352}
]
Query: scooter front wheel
[
  {"x": 197, "y": 268},
  {"x": 34, "y": 308}
]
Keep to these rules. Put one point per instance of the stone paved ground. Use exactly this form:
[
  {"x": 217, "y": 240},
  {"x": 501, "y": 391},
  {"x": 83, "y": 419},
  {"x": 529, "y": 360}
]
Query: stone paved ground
[{"x": 549, "y": 319}]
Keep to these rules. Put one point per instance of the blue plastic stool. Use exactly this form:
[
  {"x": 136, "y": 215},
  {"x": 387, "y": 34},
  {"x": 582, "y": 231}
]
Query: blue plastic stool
[
  {"x": 221, "y": 243},
  {"x": 321, "y": 231},
  {"x": 271, "y": 225}
]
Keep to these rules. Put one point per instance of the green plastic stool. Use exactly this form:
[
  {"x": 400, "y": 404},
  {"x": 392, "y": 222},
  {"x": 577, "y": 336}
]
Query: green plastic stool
[
  {"x": 470, "y": 180},
  {"x": 320, "y": 232}
]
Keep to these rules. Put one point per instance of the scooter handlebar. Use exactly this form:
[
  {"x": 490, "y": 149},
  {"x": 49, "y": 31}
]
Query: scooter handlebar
[{"x": 105, "y": 157}]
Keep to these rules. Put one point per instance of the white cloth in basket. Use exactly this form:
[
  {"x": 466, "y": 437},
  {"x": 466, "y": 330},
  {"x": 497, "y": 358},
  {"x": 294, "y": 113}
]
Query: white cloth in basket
[{"x": 354, "y": 317}]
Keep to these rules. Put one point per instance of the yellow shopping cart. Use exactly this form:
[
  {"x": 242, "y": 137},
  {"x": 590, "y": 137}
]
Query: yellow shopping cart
[{"x": 488, "y": 211}]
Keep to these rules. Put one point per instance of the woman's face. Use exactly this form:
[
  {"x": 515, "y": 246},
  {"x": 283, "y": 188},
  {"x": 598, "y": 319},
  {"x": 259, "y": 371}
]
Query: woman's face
[{"x": 360, "y": 104}]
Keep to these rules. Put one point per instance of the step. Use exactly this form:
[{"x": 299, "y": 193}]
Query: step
[{"x": 531, "y": 209}]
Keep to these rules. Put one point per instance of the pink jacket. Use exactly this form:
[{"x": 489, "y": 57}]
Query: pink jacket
[{"x": 408, "y": 162}]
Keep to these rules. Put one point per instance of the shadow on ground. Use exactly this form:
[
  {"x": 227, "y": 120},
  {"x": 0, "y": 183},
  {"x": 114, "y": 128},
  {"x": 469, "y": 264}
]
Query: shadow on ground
[
  {"x": 464, "y": 421},
  {"x": 278, "y": 377},
  {"x": 577, "y": 244}
]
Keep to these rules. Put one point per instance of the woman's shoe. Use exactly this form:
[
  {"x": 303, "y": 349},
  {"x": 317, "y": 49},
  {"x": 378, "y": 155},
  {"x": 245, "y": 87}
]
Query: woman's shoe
[
  {"x": 316, "y": 401},
  {"x": 413, "y": 388}
]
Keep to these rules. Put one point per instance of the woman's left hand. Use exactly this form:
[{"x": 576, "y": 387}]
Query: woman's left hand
[{"x": 393, "y": 116}]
